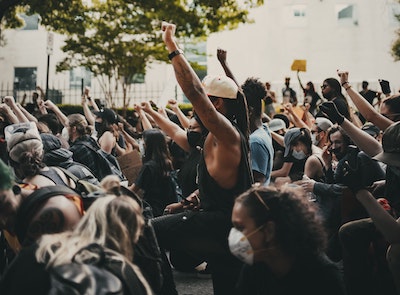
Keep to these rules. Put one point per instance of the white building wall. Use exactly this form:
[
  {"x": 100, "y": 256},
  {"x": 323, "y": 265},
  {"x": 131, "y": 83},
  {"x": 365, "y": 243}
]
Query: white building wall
[
  {"x": 264, "y": 49},
  {"x": 267, "y": 48}
]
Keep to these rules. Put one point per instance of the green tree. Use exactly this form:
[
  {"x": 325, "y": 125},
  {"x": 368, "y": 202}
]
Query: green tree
[{"x": 116, "y": 39}]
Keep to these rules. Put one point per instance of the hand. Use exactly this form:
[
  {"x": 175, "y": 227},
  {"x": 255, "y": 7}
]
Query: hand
[
  {"x": 330, "y": 109},
  {"x": 173, "y": 208},
  {"x": 10, "y": 101},
  {"x": 378, "y": 187},
  {"x": 192, "y": 202},
  {"x": 173, "y": 104},
  {"x": 308, "y": 185},
  {"x": 146, "y": 106},
  {"x": 48, "y": 104},
  {"x": 221, "y": 55},
  {"x": 86, "y": 92},
  {"x": 288, "y": 107},
  {"x": 343, "y": 75},
  {"x": 168, "y": 33}
]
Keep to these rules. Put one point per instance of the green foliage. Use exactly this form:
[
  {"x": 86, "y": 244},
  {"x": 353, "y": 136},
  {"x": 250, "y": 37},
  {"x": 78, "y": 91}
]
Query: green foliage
[{"x": 396, "y": 44}]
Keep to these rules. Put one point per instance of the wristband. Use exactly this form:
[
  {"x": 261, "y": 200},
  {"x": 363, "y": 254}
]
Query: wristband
[
  {"x": 344, "y": 83},
  {"x": 175, "y": 53}
]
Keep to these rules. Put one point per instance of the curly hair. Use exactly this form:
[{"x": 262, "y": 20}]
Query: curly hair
[
  {"x": 298, "y": 227},
  {"x": 255, "y": 91}
]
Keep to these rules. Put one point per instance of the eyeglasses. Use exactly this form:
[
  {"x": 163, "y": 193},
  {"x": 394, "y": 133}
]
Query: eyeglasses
[{"x": 324, "y": 86}]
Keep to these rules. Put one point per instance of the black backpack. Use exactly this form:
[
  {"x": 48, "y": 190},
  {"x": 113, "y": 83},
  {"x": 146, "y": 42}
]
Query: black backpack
[{"x": 106, "y": 163}]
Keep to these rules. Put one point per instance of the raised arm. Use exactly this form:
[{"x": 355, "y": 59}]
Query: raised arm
[
  {"x": 298, "y": 122},
  {"x": 185, "y": 122},
  {"x": 170, "y": 128},
  {"x": 364, "y": 107},
  {"x": 221, "y": 55},
  {"x": 363, "y": 140},
  {"x": 10, "y": 101},
  {"x": 142, "y": 115},
  {"x": 28, "y": 115},
  {"x": 60, "y": 115},
  {"x": 214, "y": 121},
  {"x": 87, "y": 112},
  {"x": 301, "y": 84},
  {"x": 385, "y": 223},
  {"x": 7, "y": 111}
]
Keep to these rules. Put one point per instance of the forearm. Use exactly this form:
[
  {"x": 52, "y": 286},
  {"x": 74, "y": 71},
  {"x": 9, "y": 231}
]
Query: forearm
[
  {"x": 88, "y": 114},
  {"x": 364, "y": 141},
  {"x": 385, "y": 223},
  {"x": 185, "y": 122},
  {"x": 60, "y": 115},
  {"x": 28, "y": 115},
  {"x": 367, "y": 110}
]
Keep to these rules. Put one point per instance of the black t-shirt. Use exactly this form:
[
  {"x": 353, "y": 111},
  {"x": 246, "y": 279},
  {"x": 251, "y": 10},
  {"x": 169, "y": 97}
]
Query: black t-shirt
[
  {"x": 158, "y": 189},
  {"x": 297, "y": 170},
  {"x": 312, "y": 276}
]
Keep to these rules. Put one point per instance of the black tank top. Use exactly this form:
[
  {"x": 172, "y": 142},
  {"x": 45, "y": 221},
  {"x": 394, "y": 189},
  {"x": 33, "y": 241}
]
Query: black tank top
[{"x": 215, "y": 198}]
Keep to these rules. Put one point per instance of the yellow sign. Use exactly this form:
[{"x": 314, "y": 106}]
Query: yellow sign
[{"x": 299, "y": 65}]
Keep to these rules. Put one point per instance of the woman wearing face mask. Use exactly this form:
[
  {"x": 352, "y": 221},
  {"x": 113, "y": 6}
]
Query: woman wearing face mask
[
  {"x": 298, "y": 148},
  {"x": 191, "y": 141},
  {"x": 280, "y": 238}
]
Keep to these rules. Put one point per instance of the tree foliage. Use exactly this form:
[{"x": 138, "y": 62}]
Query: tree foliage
[{"x": 116, "y": 39}]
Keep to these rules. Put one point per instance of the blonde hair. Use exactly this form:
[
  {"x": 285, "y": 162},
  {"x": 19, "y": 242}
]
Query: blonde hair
[{"x": 112, "y": 222}]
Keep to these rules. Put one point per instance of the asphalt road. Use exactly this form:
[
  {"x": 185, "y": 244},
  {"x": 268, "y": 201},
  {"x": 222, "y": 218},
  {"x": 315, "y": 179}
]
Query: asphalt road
[{"x": 191, "y": 284}]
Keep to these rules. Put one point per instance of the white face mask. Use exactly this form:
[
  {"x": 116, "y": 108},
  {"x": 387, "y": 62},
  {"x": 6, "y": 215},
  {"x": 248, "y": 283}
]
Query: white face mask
[
  {"x": 314, "y": 139},
  {"x": 298, "y": 155},
  {"x": 240, "y": 246}
]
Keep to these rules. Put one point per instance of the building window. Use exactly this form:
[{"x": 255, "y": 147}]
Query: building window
[
  {"x": 31, "y": 21},
  {"x": 346, "y": 14},
  {"x": 295, "y": 15},
  {"x": 79, "y": 75},
  {"x": 25, "y": 78}
]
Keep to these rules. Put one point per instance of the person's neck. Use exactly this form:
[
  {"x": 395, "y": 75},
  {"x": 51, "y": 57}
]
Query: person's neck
[
  {"x": 278, "y": 262},
  {"x": 255, "y": 124}
]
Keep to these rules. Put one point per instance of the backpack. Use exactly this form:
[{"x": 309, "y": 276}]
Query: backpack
[
  {"x": 107, "y": 163},
  {"x": 86, "y": 189}
]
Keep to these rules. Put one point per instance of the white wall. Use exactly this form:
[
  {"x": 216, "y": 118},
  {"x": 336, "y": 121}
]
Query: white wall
[{"x": 267, "y": 48}]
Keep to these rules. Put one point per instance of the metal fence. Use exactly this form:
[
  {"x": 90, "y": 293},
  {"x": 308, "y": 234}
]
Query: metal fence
[{"x": 61, "y": 94}]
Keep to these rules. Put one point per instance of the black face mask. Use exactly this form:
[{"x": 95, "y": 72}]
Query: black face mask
[
  {"x": 338, "y": 153},
  {"x": 193, "y": 138},
  {"x": 329, "y": 95}
]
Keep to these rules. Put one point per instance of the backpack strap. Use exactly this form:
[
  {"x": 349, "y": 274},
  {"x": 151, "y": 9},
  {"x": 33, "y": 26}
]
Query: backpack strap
[
  {"x": 53, "y": 176},
  {"x": 30, "y": 205}
]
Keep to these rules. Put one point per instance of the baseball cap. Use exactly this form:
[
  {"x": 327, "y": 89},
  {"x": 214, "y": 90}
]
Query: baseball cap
[
  {"x": 107, "y": 114},
  {"x": 276, "y": 124},
  {"x": 323, "y": 123},
  {"x": 21, "y": 138},
  {"x": 371, "y": 129},
  {"x": 391, "y": 146},
  {"x": 220, "y": 86},
  {"x": 290, "y": 136}
]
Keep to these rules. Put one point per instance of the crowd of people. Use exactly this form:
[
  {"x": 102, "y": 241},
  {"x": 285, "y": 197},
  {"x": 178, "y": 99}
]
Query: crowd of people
[{"x": 274, "y": 197}]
